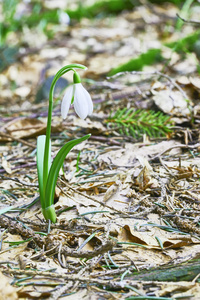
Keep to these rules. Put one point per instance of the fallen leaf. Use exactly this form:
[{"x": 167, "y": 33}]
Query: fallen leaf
[
  {"x": 172, "y": 102},
  {"x": 7, "y": 291},
  {"x": 27, "y": 128}
]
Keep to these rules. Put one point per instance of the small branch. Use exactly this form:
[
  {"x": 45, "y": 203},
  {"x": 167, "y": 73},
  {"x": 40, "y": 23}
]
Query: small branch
[
  {"x": 72, "y": 277},
  {"x": 181, "y": 272},
  {"x": 19, "y": 181},
  {"x": 188, "y": 21},
  {"x": 175, "y": 146},
  {"x": 17, "y": 227},
  {"x": 102, "y": 139},
  {"x": 12, "y": 138},
  {"x": 105, "y": 247},
  {"x": 154, "y": 73},
  {"x": 92, "y": 199}
]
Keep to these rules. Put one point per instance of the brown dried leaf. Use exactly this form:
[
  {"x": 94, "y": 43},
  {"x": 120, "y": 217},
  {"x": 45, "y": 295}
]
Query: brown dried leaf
[
  {"x": 181, "y": 290},
  {"x": 195, "y": 81},
  {"x": 145, "y": 180},
  {"x": 26, "y": 128},
  {"x": 6, "y": 165},
  {"x": 13, "y": 253},
  {"x": 7, "y": 291},
  {"x": 149, "y": 238},
  {"x": 127, "y": 234},
  {"x": 172, "y": 287},
  {"x": 110, "y": 192},
  {"x": 128, "y": 155},
  {"x": 172, "y": 102}
]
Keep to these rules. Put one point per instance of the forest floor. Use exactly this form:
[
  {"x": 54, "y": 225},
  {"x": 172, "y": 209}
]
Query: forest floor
[{"x": 127, "y": 199}]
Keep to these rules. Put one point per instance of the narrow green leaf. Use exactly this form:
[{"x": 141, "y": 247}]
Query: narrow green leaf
[
  {"x": 49, "y": 213},
  {"x": 121, "y": 112},
  {"x": 18, "y": 242},
  {"x": 159, "y": 242},
  {"x": 40, "y": 164},
  {"x": 136, "y": 123},
  {"x": 132, "y": 131},
  {"x": 55, "y": 168},
  {"x": 86, "y": 241},
  {"x": 6, "y": 209},
  {"x": 150, "y": 57},
  {"x": 127, "y": 114}
]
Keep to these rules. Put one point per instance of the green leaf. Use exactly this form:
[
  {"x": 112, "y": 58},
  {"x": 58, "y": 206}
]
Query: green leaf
[
  {"x": 5, "y": 210},
  {"x": 186, "y": 43},
  {"x": 55, "y": 168},
  {"x": 18, "y": 242},
  {"x": 185, "y": 12},
  {"x": 101, "y": 7},
  {"x": 138, "y": 122},
  {"x": 136, "y": 64},
  {"x": 49, "y": 213},
  {"x": 40, "y": 164}
]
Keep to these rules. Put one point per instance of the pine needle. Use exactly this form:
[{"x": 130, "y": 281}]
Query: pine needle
[{"x": 135, "y": 123}]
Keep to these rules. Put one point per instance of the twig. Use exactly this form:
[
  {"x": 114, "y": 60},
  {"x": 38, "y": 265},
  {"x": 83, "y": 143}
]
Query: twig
[
  {"x": 105, "y": 247},
  {"x": 188, "y": 21},
  {"x": 125, "y": 93},
  {"x": 72, "y": 277},
  {"x": 17, "y": 227},
  {"x": 156, "y": 73},
  {"x": 93, "y": 199},
  {"x": 119, "y": 270},
  {"x": 186, "y": 225},
  {"x": 102, "y": 139},
  {"x": 8, "y": 136},
  {"x": 19, "y": 181},
  {"x": 56, "y": 295},
  {"x": 175, "y": 146}
]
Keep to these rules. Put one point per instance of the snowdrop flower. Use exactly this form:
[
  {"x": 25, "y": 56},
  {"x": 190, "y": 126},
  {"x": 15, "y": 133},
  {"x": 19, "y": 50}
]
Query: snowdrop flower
[{"x": 77, "y": 95}]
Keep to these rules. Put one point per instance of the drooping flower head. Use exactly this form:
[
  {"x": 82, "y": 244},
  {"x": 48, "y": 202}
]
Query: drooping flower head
[{"x": 77, "y": 95}]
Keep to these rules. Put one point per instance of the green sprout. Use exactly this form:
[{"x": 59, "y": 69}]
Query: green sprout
[
  {"x": 135, "y": 123},
  {"x": 48, "y": 171}
]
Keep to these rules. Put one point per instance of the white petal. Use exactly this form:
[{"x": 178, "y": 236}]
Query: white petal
[
  {"x": 65, "y": 105},
  {"x": 89, "y": 101},
  {"x": 82, "y": 101}
]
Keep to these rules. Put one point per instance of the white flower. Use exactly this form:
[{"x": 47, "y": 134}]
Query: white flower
[{"x": 82, "y": 101}]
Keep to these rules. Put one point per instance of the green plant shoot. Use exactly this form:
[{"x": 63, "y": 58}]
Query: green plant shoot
[
  {"x": 135, "y": 123},
  {"x": 48, "y": 171}
]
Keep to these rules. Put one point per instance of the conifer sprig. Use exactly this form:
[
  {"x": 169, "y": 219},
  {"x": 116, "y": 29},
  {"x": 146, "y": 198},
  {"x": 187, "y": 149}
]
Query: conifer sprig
[{"x": 135, "y": 123}]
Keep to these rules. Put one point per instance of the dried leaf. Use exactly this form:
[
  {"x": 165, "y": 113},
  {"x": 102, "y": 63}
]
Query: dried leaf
[
  {"x": 27, "y": 128},
  {"x": 172, "y": 102},
  {"x": 7, "y": 291}
]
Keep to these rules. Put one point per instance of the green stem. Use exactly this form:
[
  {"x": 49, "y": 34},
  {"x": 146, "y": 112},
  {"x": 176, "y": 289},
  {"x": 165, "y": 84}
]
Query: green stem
[
  {"x": 49, "y": 213},
  {"x": 61, "y": 72}
]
